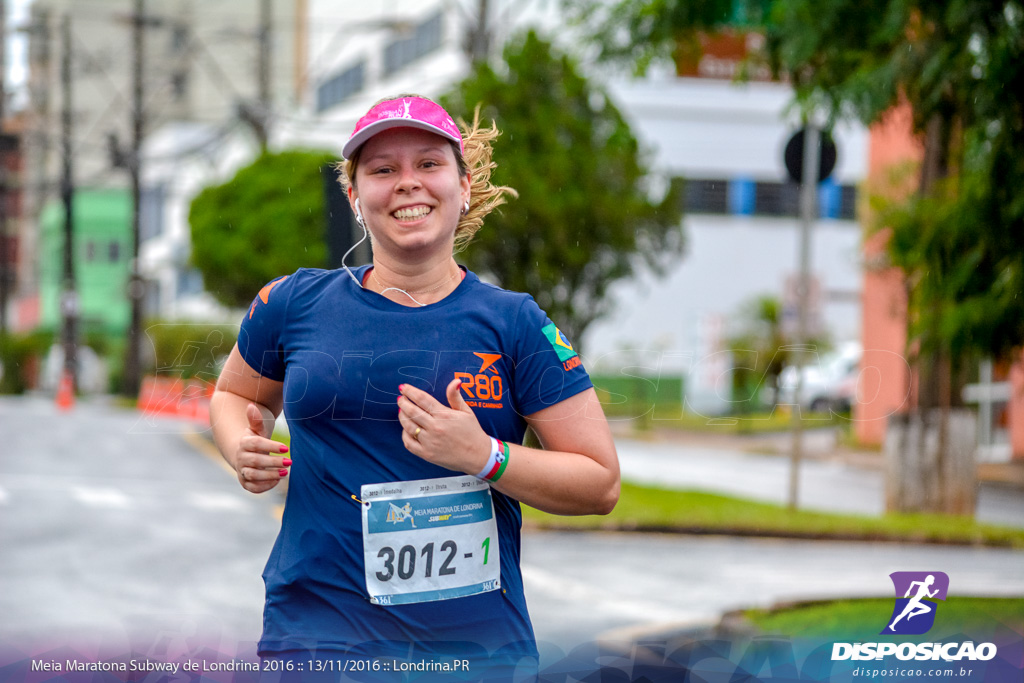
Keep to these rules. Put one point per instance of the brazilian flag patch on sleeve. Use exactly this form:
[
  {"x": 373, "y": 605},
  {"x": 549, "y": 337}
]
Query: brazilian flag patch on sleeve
[{"x": 559, "y": 342}]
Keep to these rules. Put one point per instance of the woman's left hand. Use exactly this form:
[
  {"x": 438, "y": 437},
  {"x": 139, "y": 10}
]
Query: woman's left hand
[{"x": 449, "y": 436}]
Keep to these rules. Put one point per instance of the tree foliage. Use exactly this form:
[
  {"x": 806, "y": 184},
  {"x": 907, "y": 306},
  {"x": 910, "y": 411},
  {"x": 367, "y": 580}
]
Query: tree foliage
[
  {"x": 640, "y": 32},
  {"x": 959, "y": 64},
  {"x": 584, "y": 218},
  {"x": 759, "y": 350},
  {"x": 266, "y": 221}
]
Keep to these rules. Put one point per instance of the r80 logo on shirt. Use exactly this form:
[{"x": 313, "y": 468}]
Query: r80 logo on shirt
[{"x": 485, "y": 388}]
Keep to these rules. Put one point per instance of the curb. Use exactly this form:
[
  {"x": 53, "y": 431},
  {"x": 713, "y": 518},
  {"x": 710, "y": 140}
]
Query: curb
[{"x": 750, "y": 533}]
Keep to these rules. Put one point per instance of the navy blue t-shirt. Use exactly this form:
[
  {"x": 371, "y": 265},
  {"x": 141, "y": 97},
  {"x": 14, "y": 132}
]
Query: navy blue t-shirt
[{"x": 342, "y": 352}]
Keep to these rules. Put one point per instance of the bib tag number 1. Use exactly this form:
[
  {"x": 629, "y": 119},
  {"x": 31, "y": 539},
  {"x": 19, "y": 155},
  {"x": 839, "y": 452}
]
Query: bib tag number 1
[{"x": 432, "y": 539}]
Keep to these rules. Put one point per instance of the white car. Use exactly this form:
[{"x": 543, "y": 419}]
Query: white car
[{"x": 829, "y": 380}]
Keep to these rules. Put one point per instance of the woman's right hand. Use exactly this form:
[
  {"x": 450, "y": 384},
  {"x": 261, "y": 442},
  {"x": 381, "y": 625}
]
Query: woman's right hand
[{"x": 258, "y": 462}]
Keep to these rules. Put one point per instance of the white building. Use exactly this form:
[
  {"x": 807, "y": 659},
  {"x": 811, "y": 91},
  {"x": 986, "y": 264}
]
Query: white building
[
  {"x": 200, "y": 68},
  {"x": 741, "y": 227}
]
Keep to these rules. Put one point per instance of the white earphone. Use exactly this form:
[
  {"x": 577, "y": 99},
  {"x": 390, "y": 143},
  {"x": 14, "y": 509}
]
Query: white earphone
[{"x": 359, "y": 215}]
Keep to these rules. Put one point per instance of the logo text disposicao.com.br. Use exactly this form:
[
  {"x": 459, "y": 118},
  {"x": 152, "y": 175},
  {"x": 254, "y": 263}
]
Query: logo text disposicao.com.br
[
  {"x": 914, "y": 614},
  {"x": 865, "y": 672}
]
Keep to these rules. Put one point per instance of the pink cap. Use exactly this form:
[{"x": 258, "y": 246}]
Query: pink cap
[{"x": 410, "y": 112}]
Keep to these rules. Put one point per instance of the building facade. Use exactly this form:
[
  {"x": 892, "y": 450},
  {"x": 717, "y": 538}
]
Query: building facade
[{"x": 200, "y": 64}]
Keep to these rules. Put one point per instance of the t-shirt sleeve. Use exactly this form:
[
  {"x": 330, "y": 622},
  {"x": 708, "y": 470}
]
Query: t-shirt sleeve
[
  {"x": 259, "y": 339},
  {"x": 547, "y": 368}
]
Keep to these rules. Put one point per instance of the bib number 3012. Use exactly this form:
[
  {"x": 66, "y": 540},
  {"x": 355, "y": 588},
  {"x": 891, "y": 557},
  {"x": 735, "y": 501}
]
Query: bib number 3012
[{"x": 434, "y": 539}]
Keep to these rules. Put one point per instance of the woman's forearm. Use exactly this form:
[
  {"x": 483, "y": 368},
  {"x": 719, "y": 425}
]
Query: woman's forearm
[{"x": 558, "y": 482}]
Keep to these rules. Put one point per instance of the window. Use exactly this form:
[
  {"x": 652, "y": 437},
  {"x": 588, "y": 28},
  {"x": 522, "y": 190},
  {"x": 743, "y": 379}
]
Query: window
[
  {"x": 706, "y": 196},
  {"x": 746, "y": 197},
  {"x": 151, "y": 212},
  {"x": 425, "y": 39},
  {"x": 336, "y": 89},
  {"x": 180, "y": 38},
  {"x": 742, "y": 196},
  {"x": 777, "y": 199},
  {"x": 189, "y": 283},
  {"x": 847, "y": 202},
  {"x": 179, "y": 85}
]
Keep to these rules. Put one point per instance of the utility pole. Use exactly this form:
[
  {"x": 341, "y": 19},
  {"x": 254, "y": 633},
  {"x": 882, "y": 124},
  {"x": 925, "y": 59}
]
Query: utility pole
[
  {"x": 136, "y": 287},
  {"x": 257, "y": 114},
  {"x": 69, "y": 296},
  {"x": 264, "y": 61},
  {"x": 480, "y": 39},
  {"x": 4, "y": 251}
]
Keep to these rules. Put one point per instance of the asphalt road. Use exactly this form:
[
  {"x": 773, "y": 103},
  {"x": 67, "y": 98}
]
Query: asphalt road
[
  {"x": 114, "y": 526},
  {"x": 119, "y": 530}
]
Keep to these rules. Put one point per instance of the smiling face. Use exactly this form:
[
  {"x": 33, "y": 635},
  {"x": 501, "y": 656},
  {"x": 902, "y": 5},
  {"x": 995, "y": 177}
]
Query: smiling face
[{"x": 410, "y": 191}]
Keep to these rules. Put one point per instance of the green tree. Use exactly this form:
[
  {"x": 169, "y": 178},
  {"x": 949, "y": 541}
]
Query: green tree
[
  {"x": 266, "y": 221},
  {"x": 640, "y": 32},
  {"x": 759, "y": 350},
  {"x": 584, "y": 218},
  {"x": 960, "y": 240}
]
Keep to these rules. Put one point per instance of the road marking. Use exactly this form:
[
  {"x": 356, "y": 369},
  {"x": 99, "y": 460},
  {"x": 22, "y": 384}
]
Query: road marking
[
  {"x": 202, "y": 445},
  {"x": 206, "y": 500},
  {"x": 199, "y": 443},
  {"x": 101, "y": 498}
]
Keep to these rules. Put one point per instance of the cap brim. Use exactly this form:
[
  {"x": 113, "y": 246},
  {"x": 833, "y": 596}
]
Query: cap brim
[{"x": 357, "y": 140}]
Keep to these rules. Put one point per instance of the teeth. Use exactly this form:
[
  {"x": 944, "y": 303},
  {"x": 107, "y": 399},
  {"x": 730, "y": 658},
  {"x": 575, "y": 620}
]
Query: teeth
[{"x": 415, "y": 212}]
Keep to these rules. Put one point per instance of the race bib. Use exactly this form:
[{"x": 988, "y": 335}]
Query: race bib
[{"x": 433, "y": 539}]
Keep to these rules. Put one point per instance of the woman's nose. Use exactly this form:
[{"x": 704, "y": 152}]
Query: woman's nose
[{"x": 408, "y": 180}]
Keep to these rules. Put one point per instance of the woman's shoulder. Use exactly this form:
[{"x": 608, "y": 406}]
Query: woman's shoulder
[
  {"x": 498, "y": 296},
  {"x": 281, "y": 292},
  {"x": 309, "y": 278}
]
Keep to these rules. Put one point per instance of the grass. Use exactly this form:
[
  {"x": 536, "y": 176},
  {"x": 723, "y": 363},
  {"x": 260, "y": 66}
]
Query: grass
[
  {"x": 863, "y": 618},
  {"x": 645, "y": 508},
  {"x": 671, "y": 415}
]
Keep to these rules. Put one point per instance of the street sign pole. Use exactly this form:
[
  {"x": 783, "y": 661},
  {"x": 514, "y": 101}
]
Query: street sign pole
[{"x": 808, "y": 213}]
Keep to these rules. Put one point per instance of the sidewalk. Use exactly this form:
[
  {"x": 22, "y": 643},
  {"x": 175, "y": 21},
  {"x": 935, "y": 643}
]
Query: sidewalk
[
  {"x": 833, "y": 478},
  {"x": 819, "y": 444}
]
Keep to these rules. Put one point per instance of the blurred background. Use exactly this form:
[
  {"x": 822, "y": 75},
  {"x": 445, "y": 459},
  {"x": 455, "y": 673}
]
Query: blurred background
[
  {"x": 163, "y": 160},
  {"x": 785, "y": 228}
]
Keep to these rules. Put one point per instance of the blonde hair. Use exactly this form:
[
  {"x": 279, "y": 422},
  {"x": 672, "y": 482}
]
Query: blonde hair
[{"x": 484, "y": 196}]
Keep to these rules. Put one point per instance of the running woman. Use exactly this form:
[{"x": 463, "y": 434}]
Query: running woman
[{"x": 408, "y": 385}]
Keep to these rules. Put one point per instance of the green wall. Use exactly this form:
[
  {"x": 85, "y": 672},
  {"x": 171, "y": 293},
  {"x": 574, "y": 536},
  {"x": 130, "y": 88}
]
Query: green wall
[{"x": 102, "y": 251}]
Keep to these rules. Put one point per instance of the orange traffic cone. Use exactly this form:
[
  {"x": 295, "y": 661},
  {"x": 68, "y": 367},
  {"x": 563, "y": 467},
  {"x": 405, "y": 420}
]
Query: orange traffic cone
[{"x": 66, "y": 392}]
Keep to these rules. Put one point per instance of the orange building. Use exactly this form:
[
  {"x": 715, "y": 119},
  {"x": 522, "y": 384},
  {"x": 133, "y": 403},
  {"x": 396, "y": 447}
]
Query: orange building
[{"x": 886, "y": 382}]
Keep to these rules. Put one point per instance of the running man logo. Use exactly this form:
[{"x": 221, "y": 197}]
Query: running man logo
[
  {"x": 562, "y": 347},
  {"x": 912, "y": 615},
  {"x": 397, "y": 515},
  {"x": 264, "y": 294},
  {"x": 485, "y": 388}
]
